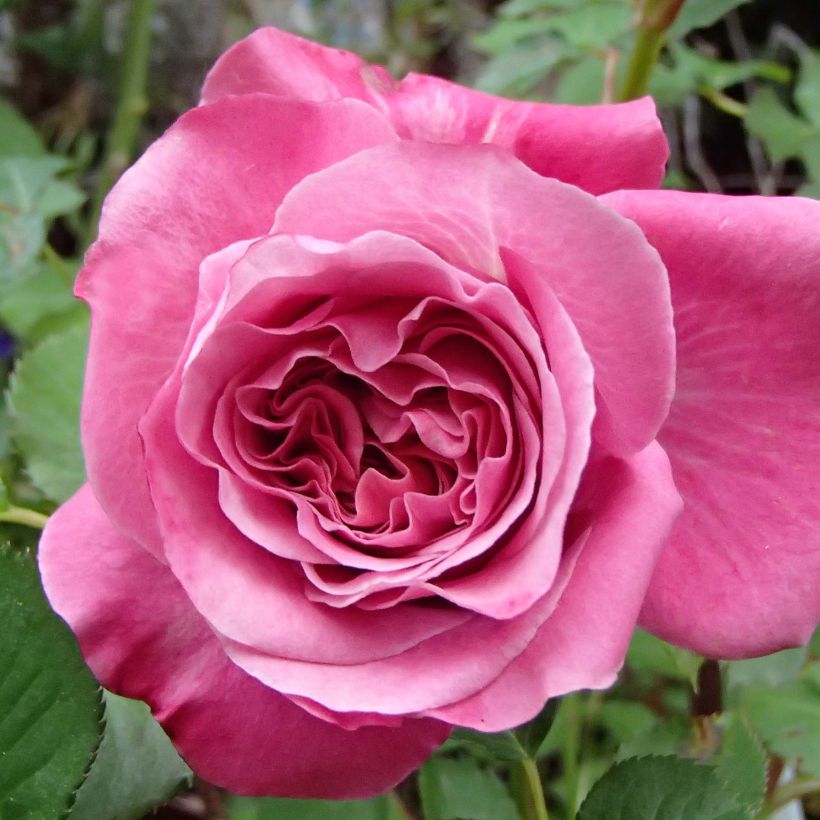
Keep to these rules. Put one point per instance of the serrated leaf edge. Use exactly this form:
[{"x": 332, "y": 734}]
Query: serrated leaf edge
[
  {"x": 102, "y": 723},
  {"x": 761, "y": 747}
]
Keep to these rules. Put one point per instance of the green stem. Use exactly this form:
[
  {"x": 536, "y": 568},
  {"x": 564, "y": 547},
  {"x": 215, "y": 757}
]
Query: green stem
[
  {"x": 571, "y": 750},
  {"x": 527, "y": 790},
  {"x": 24, "y": 516},
  {"x": 131, "y": 105},
  {"x": 724, "y": 102},
  {"x": 793, "y": 790},
  {"x": 655, "y": 19},
  {"x": 641, "y": 62}
]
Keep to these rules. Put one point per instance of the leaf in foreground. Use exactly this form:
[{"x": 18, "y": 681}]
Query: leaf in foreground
[
  {"x": 457, "y": 788},
  {"x": 136, "y": 768},
  {"x": 788, "y": 717},
  {"x": 741, "y": 762},
  {"x": 50, "y": 705},
  {"x": 661, "y": 788}
]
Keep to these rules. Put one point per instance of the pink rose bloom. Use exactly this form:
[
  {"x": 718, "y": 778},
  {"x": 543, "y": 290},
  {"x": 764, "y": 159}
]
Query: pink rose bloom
[{"x": 392, "y": 425}]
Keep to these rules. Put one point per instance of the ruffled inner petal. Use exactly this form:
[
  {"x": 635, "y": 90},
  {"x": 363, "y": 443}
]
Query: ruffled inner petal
[{"x": 388, "y": 443}]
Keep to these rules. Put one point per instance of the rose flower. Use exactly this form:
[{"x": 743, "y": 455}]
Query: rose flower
[{"x": 393, "y": 425}]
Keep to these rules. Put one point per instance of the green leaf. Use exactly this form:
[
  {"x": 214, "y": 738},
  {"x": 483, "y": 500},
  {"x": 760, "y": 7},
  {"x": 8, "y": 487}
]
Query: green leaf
[
  {"x": 21, "y": 237},
  {"x": 810, "y": 188},
  {"x": 807, "y": 89},
  {"x": 273, "y": 808},
  {"x": 587, "y": 27},
  {"x": 770, "y": 670},
  {"x": 36, "y": 302},
  {"x": 30, "y": 196},
  {"x": 691, "y": 71},
  {"x": 650, "y": 654},
  {"x": 521, "y": 8},
  {"x": 582, "y": 83},
  {"x": 503, "y": 746},
  {"x": 593, "y": 26},
  {"x": 507, "y": 34},
  {"x": 741, "y": 761},
  {"x": 701, "y": 14},
  {"x": 136, "y": 768},
  {"x": 29, "y": 185},
  {"x": 668, "y": 737},
  {"x": 810, "y": 155},
  {"x": 783, "y": 133},
  {"x": 660, "y": 788},
  {"x": 788, "y": 717},
  {"x": 50, "y": 705},
  {"x": 626, "y": 719},
  {"x": 721, "y": 74},
  {"x": 531, "y": 735},
  {"x": 814, "y": 645},
  {"x": 44, "y": 410},
  {"x": 59, "y": 198},
  {"x": 459, "y": 788},
  {"x": 516, "y": 72},
  {"x": 23, "y": 180},
  {"x": 558, "y": 733},
  {"x": 17, "y": 137}
]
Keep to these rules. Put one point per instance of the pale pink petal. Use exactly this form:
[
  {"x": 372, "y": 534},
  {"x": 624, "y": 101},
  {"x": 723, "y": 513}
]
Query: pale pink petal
[
  {"x": 217, "y": 176},
  {"x": 276, "y": 62},
  {"x": 628, "y": 508},
  {"x": 482, "y": 210},
  {"x": 143, "y": 639},
  {"x": 741, "y": 575},
  {"x": 598, "y": 147}
]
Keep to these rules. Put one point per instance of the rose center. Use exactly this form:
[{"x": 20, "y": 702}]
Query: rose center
[{"x": 358, "y": 457}]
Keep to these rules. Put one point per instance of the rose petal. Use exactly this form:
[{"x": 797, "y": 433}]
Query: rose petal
[
  {"x": 244, "y": 591},
  {"x": 215, "y": 177},
  {"x": 598, "y": 147},
  {"x": 742, "y": 572},
  {"x": 445, "y": 668},
  {"x": 143, "y": 639},
  {"x": 629, "y": 507},
  {"x": 422, "y": 656},
  {"x": 276, "y": 62},
  {"x": 378, "y": 264},
  {"x": 482, "y": 210},
  {"x": 514, "y": 574}
]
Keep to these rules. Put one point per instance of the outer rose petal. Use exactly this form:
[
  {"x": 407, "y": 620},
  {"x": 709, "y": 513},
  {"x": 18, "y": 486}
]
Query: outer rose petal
[
  {"x": 599, "y": 147},
  {"x": 482, "y": 210},
  {"x": 741, "y": 575},
  {"x": 217, "y": 176},
  {"x": 142, "y": 638},
  {"x": 629, "y": 507},
  {"x": 575, "y": 637}
]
